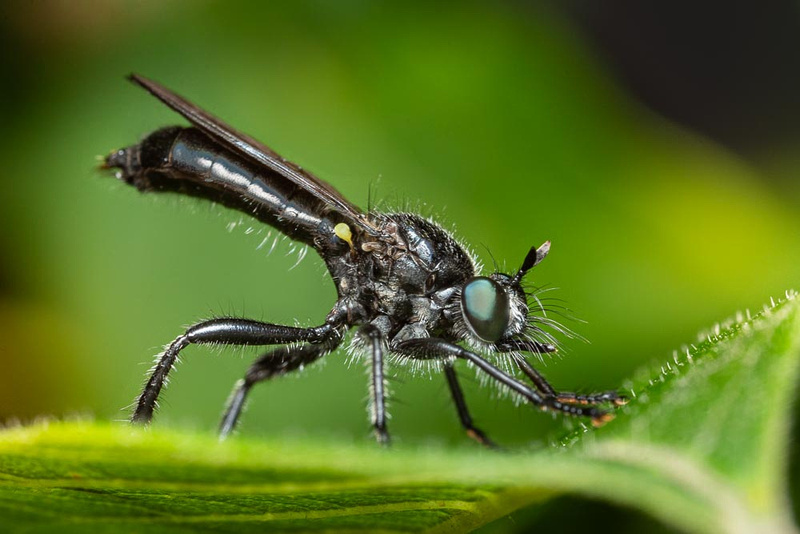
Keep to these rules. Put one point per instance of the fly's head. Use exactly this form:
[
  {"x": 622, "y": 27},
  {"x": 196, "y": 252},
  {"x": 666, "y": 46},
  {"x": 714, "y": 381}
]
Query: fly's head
[
  {"x": 492, "y": 313},
  {"x": 433, "y": 281}
]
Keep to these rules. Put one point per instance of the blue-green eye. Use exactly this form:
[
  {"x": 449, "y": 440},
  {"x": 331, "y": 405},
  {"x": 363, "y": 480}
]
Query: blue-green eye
[{"x": 485, "y": 307}]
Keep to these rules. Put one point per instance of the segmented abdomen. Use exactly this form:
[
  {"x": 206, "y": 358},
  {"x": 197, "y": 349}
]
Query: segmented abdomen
[{"x": 186, "y": 161}]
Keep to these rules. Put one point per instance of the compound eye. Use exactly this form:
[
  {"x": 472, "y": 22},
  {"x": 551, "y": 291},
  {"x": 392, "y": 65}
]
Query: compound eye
[{"x": 485, "y": 306}]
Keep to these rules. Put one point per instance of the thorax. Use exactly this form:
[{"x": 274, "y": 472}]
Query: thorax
[{"x": 401, "y": 277}]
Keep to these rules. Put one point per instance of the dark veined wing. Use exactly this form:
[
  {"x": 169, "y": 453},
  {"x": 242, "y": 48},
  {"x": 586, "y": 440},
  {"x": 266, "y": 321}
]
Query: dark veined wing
[{"x": 254, "y": 151}]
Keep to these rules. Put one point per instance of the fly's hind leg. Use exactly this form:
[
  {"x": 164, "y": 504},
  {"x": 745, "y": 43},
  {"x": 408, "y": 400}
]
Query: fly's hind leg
[
  {"x": 222, "y": 331},
  {"x": 275, "y": 363}
]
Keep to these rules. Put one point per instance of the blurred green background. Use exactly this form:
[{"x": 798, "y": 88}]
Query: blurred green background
[{"x": 511, "y": 122}]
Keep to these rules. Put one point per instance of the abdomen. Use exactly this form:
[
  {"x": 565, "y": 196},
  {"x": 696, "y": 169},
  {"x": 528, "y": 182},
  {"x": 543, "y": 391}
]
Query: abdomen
[{"x": 186, "y": 161}]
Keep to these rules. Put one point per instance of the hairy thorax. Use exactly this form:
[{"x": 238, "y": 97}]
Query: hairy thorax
[{"x": 402, "y": 276}]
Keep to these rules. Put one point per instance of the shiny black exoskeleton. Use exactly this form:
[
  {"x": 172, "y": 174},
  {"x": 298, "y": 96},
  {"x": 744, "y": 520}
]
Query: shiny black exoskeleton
[{"x": 407, "y": 285}]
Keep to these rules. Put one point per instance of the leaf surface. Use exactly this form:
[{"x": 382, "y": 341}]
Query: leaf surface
[{"x": 702, "y": 446}]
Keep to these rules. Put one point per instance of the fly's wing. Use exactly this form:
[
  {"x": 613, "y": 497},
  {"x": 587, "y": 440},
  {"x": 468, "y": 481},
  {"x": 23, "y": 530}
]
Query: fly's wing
[{"x": 254, "y": 151}]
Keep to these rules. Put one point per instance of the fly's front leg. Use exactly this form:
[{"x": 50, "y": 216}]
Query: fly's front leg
[
  {"x": 515, "y": 346},
  {"x": 275, "y": 363},
  {"x": 544, "y": 387},
  {"x": 376, "y": 342},
  {"x": 221, "y": 331},
  {"x": 427, "y": 348},
  {"x": 567, "y": 396}
]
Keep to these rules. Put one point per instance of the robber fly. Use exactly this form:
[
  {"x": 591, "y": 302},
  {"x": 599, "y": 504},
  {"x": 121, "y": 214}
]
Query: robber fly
[{"x": 407, "y": 286}]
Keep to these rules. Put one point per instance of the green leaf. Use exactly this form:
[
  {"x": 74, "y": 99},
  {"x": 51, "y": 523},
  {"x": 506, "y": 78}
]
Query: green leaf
[{"x": 702, "y": 446}]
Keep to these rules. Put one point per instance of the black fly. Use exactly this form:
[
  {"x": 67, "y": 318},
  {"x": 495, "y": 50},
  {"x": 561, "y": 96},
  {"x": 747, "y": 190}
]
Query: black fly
[{"x": 411, "y": 290}]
